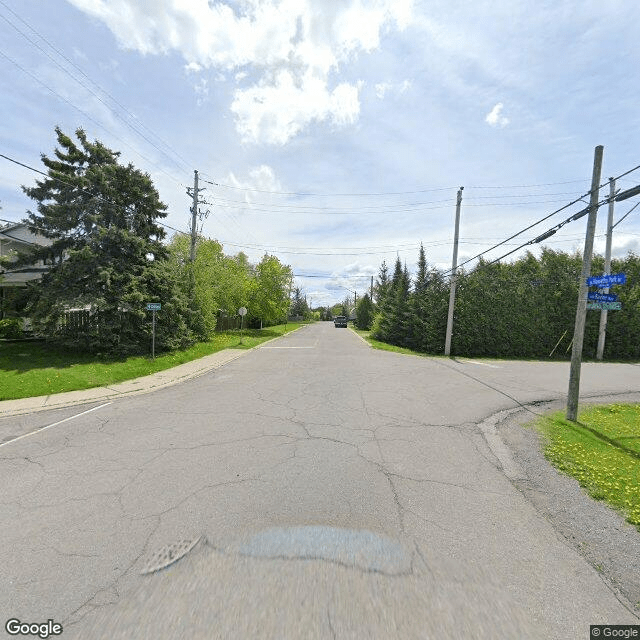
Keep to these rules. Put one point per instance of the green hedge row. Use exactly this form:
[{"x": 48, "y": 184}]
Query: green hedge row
[{"x": 521, "y": 309}]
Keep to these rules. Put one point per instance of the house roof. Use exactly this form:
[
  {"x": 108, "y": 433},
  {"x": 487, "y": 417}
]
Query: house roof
[{"x": 22, "y": 234}]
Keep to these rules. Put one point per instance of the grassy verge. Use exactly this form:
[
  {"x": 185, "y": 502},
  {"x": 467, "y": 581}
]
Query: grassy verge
[
  {"x": 36, "y": 369},
  {"x": 376, "y": 344},
  {"x": 602, "y": 452}
]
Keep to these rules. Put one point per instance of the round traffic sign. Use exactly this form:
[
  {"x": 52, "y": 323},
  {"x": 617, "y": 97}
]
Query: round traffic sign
[{"x": 242, "y": 311}]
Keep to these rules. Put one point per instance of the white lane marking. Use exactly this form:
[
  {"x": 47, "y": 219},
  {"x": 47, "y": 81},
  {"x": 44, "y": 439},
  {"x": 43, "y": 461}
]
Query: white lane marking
[
  {"x": 55, "y": 424},
  {"x": 313, "y": 347},
  {"x": 484, "y": 364}
]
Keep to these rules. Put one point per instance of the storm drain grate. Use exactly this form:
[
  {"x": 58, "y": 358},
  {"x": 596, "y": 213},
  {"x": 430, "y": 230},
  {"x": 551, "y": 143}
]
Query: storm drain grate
[{"x": 168, "y": 555}]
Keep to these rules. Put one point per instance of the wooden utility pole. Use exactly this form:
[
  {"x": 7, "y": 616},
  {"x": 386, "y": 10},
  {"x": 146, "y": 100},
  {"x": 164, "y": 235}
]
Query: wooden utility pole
[
  {"x": 602, "y": 331},
  {"x": 371, "y": 294},
  {"x": 581, "y": 311},
  {"x": 452, "y": 293},
  {"x": 194, "y": 214}
]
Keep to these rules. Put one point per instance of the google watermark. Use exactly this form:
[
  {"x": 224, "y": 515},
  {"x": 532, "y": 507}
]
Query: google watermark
[
  {"x": 597, "y": 631},
  {"x": 15, "y": 627}
]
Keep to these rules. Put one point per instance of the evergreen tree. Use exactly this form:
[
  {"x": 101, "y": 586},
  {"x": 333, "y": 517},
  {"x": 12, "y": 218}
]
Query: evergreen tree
[
  {"x": 402, "y": 311},
  {"x": 107, "y": 252},
  {"x": 364, "y": 313},
  {"x": 391, "y": 325},
  {"x": 382, "y": 285},
  {"x": 298, "y": 304},
  {"x": 419, "y": 300}
]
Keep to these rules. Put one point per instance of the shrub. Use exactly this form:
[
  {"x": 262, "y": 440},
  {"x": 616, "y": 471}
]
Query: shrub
[{"x": 11, "y": 328}]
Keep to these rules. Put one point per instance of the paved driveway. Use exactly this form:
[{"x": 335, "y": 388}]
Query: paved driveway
[{"x": 335, "y": 490}]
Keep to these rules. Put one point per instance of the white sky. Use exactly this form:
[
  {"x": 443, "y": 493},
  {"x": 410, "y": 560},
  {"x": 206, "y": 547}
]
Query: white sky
[{"x": 296, "y": 108}]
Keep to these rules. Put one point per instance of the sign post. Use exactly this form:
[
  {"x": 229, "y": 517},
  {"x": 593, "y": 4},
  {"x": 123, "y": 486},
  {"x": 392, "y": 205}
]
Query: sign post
[
  {"x": 153, "y": 307},
  {"x": 242, "y": 312}
]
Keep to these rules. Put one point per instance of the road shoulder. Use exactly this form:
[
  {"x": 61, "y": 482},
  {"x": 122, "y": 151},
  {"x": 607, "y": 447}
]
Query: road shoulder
[{"x": 597, "y": 532}]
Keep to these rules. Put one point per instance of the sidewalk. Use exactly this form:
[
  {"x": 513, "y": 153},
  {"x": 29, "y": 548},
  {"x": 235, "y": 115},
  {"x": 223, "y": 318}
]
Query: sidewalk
[{"x": 136, "y": 386}]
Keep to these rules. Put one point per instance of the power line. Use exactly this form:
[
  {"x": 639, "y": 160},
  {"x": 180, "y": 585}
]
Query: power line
[
  {"x": 69, "y": 184},
  {"x": 548, "y": 233},
  {"x": 384, "y": 193},
  {"x": 278, "y": 207},
  {"x": 346, "y": 277},
  {"x": 79, "y": 69},
  {"x": 86, "y": 115},
  {"x": 542, "y": 237},
  {"x": 387, "y": 210}
]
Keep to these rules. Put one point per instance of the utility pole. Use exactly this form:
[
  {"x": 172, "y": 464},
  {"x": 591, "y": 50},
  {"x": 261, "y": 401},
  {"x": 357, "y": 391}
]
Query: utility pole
[
  {"x": 602, "y": 331},
  {"x": 371, "y": 290},
  {"x": 452, "y": 293},
  {"x": 581, "y": 311},
  {"x": 194, "y": 214}
]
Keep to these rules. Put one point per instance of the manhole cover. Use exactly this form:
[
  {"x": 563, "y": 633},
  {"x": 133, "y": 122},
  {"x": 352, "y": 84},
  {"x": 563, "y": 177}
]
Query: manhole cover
[{"x": 168, "y": 555}]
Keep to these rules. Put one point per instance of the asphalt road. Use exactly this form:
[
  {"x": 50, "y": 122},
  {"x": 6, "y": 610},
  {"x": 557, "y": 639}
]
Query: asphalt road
[{"x": 335, "y": 491}]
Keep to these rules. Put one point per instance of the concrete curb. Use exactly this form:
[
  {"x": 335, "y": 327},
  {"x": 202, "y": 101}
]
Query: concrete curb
[
  {"x": 135, "y": 386},
  {"x": 361, "y": 338}
]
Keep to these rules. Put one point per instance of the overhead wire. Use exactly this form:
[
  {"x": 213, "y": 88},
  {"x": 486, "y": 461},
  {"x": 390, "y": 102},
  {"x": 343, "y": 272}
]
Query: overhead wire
[
  {"x": 65, "y": 182},
  {"x": 83, "y": 84},
  {"x": 384, "y": 193},
  {"x": 88, "y": 116},
  {"x": 279, "y": 207},
  {"x": 574, "y": 217}
]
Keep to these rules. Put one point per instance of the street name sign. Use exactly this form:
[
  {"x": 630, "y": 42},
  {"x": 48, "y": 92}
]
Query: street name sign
[
  {"x": 153, "y": 306},
  {"x": 602, "y": 297},
  {"x": 604, "y": 306},
  {"x": 605, "y": 281}
]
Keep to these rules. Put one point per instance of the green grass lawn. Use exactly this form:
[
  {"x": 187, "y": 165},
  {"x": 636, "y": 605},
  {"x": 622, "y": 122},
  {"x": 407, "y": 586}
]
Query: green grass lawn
[
  {"x": 602, "y": 452},
  {"x": 36, "y": 369},
  {"x": 376, "y": 344}
]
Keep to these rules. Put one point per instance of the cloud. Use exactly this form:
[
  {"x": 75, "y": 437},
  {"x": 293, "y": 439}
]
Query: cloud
[
  {"x": 202, "y": 91},
  {"x": 192, "y": 67},
  {"x": 495, "y": 117},
  {"x": 274, "y": 112},
  {"x": 294, "y": 47},
  {"x": 382, "y": 88},
  {"x": 262, "y": 182}
]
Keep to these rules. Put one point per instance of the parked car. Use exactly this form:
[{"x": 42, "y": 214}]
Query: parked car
[{"x": 340, "y": 321}]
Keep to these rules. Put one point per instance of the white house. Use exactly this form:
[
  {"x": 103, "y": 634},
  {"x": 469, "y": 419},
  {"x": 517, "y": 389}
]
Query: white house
[{"x": 16, "y": 237}]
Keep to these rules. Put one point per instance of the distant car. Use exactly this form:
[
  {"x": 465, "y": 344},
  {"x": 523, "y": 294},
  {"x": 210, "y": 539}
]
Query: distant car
[{"x": 340, "y": 321}]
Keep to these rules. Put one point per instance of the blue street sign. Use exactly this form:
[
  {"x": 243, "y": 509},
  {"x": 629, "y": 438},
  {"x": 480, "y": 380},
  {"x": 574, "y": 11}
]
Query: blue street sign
[
  {"x": 604, "y": 282},
  {"x": 153, "y": 306},
  {"x": 602, "y": 297},
  {"x": 604, "y": 306}
]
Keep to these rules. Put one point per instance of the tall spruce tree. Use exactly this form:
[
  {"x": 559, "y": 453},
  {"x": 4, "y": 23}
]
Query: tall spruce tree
[
  {"x": 364, "y": 312},
  {"x": 403, "y": 309},
  {"x": 382, "y": 285},
  {"x": 419, "y": 304},
  {"x": 393, "y": 321},
  {"x": 107, "y": 252}
]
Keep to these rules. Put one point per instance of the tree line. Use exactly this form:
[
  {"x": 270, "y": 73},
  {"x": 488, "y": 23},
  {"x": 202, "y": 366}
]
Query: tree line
[
  {"x": 522, "y": 309},
  {"x": 108, "y": 258}
]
